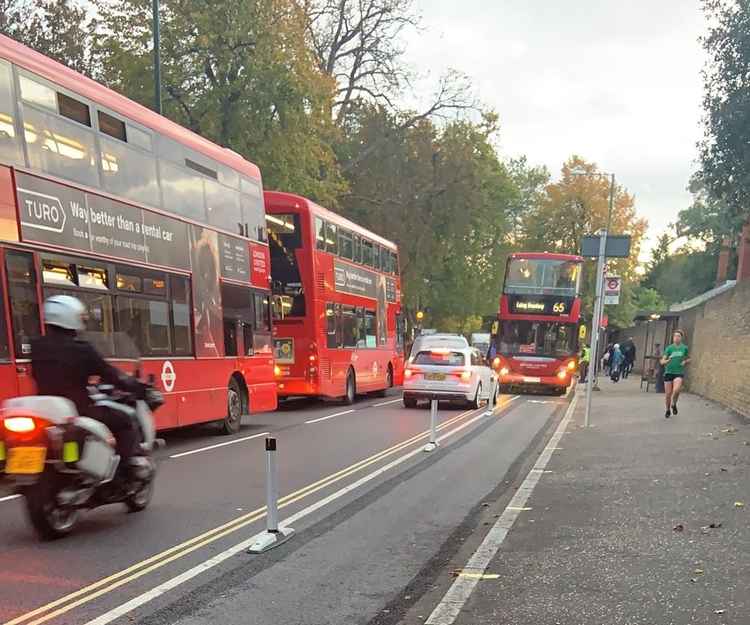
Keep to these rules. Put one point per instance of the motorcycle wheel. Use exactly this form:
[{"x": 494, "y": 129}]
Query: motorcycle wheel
[
  {"x": 140, "y": 499},
  {"x": 49, "y": 519}
]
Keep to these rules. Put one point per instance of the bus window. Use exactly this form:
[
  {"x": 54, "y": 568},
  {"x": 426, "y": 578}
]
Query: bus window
[
  {"x": 24, "y": 306},
  {"x": 349, "y": 327},
  {"x": 370, "y": 329},
  {"x": 10, "y": 146},
  {"x": 367, "y": 253},
  {"x": 331, "y": 239},
  {"x": 146, "y": 321},
  {"x": 128, "y": 171},
  {"x": 4, "y": 345},
  {"x": 400, "y": 332},
  {"x": 394, "y": 261},
  {"x": 238, "y": 314},
  {"x": 284, "y": 238},
  {"x": 331, "y": 330},
  {"x": 345, "y": 244},
  {"x": 223, "y": 207},
  {"x": 320, "y": 234},
  {"x": 181, "y": 339},
  {"x": 357, "y": 249},
  {"x": 262, "y": 324}
]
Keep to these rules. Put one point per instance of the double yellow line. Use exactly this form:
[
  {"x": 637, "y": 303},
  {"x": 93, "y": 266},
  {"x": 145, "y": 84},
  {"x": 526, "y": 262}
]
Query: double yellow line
[{"x": 108, "y": 584}]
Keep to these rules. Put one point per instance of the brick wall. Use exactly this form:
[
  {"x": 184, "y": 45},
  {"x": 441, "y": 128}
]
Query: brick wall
[
  {"x": 719, "y": 337},
  {"x": 718, "y": 334}
]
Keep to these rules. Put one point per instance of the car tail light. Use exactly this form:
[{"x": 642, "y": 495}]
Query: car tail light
[
  {"x": 466, "y": 375},
  {"x": 20, "y": 425}
]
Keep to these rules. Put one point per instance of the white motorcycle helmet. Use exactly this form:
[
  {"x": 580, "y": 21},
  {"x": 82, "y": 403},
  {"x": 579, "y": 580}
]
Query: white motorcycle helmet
[{"x": 64, "y": 311}]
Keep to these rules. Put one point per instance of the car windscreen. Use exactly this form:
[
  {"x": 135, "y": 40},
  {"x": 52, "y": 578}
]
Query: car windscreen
[{"x": 442, "y": 357}]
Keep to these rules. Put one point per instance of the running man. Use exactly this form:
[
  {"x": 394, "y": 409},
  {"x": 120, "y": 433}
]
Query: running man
[{"x": 674, "y": 360}]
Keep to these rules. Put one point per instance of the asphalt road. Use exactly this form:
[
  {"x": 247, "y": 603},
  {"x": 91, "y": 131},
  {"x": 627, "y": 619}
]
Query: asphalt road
[{"x": 371, "y": 510}]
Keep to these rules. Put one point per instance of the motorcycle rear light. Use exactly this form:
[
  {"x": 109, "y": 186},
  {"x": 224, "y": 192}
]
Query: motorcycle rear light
[{"x": 20, "y": 425}]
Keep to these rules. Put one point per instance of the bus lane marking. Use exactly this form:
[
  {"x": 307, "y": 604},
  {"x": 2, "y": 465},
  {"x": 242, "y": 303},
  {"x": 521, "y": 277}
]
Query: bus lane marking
[
  {"x": 105, "y": 585},
  {"x": 330, "y": 416},
  {"x": 173, "y": 583},
  {"x": 217, "y": 445}
]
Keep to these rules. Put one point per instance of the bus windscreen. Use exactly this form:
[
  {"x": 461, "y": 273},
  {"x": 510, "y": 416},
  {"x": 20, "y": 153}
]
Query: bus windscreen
[
  {"x": 284, "y": 239},
  {"x": 537, "y": 338},
  {"x": 533, "y": 276}
]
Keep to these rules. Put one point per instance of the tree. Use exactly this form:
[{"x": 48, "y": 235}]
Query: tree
[
  {"x": 725, "y": 160},
  {"x": 60, "y": 29},
  {"x": 443, "y": 196},
  {"x": 238, "y": 73}
]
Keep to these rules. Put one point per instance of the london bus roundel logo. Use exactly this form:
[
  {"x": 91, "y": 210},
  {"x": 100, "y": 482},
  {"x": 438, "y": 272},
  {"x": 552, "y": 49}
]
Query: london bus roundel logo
[{"x": 168, "y": 376}]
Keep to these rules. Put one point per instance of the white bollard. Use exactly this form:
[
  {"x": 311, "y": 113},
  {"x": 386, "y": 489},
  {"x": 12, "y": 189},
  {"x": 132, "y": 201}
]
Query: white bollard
[
  {"x": 274, "y": 535},
  {"x": 433, "y": 444}
]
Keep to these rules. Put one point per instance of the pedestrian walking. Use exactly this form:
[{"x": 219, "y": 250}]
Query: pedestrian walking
[
  {"x": 583, "y": 362},
  {"x": 616, "y": 361},
  {"x": 628, "y": 352},
  {"x": 674, "y": 360}
]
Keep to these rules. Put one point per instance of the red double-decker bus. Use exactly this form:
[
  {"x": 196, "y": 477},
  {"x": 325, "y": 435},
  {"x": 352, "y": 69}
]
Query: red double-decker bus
[
  {"x": 338, "y": 328},
  {"x": 536, "y": 337},
  {"x": 150, "y": 225}
]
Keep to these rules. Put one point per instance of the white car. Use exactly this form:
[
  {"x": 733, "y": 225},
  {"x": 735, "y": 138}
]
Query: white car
[
  {"x": 424, "y": 341},
  {"x": 449, "y": 373}
]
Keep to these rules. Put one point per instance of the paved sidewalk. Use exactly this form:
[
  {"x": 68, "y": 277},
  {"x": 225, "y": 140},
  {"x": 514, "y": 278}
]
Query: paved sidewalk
[{"x": 602, "y": 543}]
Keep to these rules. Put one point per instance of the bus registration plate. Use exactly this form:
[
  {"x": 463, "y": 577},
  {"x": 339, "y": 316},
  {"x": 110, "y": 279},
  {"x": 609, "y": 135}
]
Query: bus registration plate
[
  {"x": 531, "y": 380},
  {"x": 26, "y": 460}
]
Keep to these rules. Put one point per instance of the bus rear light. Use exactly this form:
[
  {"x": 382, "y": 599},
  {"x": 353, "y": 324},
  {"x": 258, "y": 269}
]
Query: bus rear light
[
  {"x": 20, "y": 425},
  {"x": 312, "y": 357}
]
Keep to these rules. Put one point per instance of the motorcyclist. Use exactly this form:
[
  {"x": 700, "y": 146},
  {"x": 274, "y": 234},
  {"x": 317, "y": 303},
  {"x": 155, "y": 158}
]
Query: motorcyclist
[{"x": 62, "y": 364}]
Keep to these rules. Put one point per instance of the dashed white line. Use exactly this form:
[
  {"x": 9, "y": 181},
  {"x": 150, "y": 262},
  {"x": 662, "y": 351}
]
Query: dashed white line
[
  {"x": 385, "y": 403},
  {"x": 9, "y": 498},
  {"x": 232, "y": 442},
  {"x": 453, "y": 601},
  {"x": 330, "y": 416}
]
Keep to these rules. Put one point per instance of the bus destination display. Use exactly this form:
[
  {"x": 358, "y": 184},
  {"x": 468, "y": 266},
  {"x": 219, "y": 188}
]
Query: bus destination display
[{"x": 548, "y": 306}]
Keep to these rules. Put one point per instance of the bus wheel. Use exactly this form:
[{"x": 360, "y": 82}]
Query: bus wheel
[
  {"x": 233, "y": 420},
  {"x": 388, "y": 382},
  {"x": 351, "y": 389}
]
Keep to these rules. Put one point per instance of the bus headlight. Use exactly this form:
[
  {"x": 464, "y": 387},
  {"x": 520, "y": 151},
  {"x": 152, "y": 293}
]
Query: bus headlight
[
  {"x": 562, "y": 374},
  {"x": 504, "y": 371},
  {"x": 571, "y": 365}
]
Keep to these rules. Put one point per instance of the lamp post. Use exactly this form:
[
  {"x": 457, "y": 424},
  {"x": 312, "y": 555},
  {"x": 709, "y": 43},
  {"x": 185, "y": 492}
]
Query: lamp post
[
  {"x": 157, "y": 57},
  {"x": 593, "y": 381}
]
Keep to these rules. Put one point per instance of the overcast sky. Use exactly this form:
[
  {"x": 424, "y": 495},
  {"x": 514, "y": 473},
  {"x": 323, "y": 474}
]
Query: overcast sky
[{"x": 616, "y": 82}]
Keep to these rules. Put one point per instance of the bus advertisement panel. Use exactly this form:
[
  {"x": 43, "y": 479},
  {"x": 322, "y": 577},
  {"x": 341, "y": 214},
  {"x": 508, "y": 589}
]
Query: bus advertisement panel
[
  {"x": 535, "y": 339},
  {"x": 158, "y": 231},
  {"x": 338, "y": 327}
]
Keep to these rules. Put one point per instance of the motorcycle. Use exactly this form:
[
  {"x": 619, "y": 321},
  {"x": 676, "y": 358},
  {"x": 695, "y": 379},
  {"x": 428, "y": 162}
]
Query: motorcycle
[{"x": 63, "y": 463}]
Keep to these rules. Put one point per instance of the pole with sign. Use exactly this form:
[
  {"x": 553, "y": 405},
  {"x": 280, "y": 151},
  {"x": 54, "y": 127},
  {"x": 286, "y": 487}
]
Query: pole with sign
[{"x": 612, "y": 288}]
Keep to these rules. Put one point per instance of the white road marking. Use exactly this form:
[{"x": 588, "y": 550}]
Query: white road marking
[
  {"x": 454, "y": 600},
  {"x": 9, "y": 498},
  {"x": 165, "y": 587},
  {"x": 236, "y": 440},
  {"x": 385, "y": 403},
  {"x": 330, "y": 416}
]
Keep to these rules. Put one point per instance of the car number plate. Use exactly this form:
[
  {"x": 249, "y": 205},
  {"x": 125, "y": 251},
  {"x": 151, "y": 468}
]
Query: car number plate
[
  {"x": 437, "y": 377},
  {"x": 26, "y": 460},
  {"x": 531, "y": 380}
]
